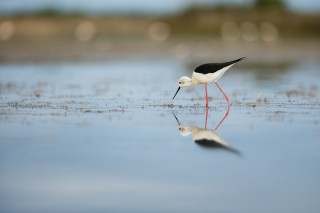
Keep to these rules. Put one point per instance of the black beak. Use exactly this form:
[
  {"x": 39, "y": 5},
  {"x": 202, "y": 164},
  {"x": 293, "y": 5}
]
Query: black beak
[
  {"x": 176, "y": 118},
  {"x": 176, "y": 93}
]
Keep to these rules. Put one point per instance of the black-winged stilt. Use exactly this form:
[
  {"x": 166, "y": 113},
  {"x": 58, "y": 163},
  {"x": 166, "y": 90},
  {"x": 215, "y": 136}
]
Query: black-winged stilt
[
  {"x": 207, "y": 73},
  {"x": 205, "y": 137}
]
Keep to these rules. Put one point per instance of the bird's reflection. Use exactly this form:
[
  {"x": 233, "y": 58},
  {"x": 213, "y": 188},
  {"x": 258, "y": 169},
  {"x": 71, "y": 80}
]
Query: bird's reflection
[{"x": 205, "y": 137}]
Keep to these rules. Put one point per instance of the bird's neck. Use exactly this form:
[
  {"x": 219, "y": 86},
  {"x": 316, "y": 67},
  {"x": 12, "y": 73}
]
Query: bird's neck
[
  {"x": 190, "y": 82},
  {"x": 194, "y": 82}
]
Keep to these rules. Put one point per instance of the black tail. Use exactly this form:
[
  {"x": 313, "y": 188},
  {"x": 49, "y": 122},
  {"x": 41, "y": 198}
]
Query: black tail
[{"x": 240, "y": 59}]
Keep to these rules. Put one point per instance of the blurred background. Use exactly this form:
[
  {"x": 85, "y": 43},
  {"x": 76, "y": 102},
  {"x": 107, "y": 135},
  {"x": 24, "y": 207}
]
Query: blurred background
[
  {"x": 38, "y": 30},
  {"x": 87, "y": 121}
]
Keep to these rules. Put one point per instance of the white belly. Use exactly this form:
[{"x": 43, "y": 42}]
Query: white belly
[{"x": 199, "y": 78}]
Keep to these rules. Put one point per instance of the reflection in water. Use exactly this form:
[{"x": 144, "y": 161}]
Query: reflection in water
[
  {"x": 205, "y": 137},
  {"x": 224, "y": 117}
]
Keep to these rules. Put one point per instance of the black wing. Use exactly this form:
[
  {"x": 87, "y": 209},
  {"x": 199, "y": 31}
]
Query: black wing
[
  {"x": 214, "y": 67},
  {"x": 205, "y": 143},
  {"x": 209, "y": 143}
]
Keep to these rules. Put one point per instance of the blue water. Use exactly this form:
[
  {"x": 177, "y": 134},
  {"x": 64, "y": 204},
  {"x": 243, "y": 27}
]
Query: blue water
[{"x": 102, "y": 137}]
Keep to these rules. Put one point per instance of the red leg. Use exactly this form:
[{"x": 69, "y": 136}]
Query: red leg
[
  {"x": 224, "y": 94},
  {"x": 205, "y": 125},
  {"x": 207, "y": 99},
  {"x": 227, "y": 113},
  {"x": 224, "y": 117}
]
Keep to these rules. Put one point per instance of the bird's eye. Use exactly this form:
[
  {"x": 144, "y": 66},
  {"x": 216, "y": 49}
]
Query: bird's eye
[{"x": 180, "y": 82}]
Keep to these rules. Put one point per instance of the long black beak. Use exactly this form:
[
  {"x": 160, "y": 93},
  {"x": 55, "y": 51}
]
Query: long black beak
[
  {"x": 176, "y": 118},
  {"x": 176, "y": 93}
]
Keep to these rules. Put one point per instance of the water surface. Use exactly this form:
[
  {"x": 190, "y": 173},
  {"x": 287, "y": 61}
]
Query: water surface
[{"x": 103, "y": 137}]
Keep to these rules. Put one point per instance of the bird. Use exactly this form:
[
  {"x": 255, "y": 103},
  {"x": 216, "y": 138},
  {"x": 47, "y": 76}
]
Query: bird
[
  {"x": 207, "y": 73},
  {"x": 205, "y": 137}
]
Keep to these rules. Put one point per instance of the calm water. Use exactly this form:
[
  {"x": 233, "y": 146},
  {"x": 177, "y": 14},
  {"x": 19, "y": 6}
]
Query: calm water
[{"x": 103, "y": 137}]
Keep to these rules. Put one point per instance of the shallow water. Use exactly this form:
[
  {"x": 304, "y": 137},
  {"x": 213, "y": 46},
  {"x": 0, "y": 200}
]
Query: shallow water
[{"x": 103, "y": 137}]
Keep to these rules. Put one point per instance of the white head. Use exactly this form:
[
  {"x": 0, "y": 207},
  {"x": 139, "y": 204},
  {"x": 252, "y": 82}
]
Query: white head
[
  {"x": 185, "y": 130},
  {"x": 184, "y": 81}
]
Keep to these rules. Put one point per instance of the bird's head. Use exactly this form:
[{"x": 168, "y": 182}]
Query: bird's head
[
  {"x": 184, "y": 81},
  {"x": 185, "y": 130}
]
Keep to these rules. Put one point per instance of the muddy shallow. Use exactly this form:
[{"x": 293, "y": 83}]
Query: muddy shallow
[{"x": 103, "y": 137}]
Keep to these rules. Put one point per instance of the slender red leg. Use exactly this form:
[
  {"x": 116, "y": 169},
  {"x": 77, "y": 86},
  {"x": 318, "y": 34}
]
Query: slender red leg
[
  {"x": 207, "y": 99},
  {"x": 224, "y": 117},
  {"x": 224, "y": 94},
  {"x": 205, "y": 126},
  {"x": 227, "y": 99}
]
